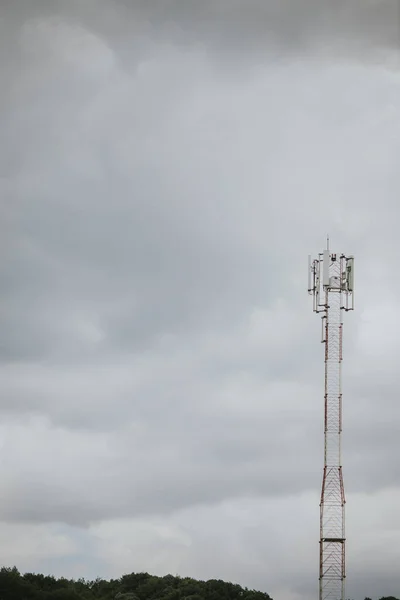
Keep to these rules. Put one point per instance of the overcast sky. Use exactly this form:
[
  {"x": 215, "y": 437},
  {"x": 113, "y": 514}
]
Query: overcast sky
[{"x": 166, "y": 166}]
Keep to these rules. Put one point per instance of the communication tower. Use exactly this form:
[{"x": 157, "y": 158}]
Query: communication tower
[{"x": 331, "y": 283}]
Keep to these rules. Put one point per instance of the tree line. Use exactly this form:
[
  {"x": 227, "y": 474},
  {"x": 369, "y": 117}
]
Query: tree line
[{"x": 136, "y": 586}]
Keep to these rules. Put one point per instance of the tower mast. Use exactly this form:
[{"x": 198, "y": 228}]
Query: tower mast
[{"x": 331, "y": 283}]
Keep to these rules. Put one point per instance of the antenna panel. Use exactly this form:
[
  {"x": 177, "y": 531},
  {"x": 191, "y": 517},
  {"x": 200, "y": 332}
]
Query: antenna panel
[
  {"x": 325, "y": 273},
  {"x": 350, "y": 274}
]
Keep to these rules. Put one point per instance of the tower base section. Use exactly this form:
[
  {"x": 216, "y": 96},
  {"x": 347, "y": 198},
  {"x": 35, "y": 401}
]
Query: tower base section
[{"x": 332, "y": 569}]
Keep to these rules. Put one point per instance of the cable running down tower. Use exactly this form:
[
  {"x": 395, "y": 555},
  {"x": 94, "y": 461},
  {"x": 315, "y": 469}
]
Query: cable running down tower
[{"x": 331, "y": 283}]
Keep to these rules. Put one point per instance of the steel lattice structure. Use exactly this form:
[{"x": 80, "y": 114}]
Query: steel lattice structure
[{"x": 331, "y": 282}]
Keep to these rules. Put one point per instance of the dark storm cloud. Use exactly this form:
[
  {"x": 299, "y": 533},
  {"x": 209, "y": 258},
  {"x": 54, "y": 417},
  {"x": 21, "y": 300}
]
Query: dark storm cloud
[
  {"x": 358, "y": 27},
  {"x": 235, "y": 29}
]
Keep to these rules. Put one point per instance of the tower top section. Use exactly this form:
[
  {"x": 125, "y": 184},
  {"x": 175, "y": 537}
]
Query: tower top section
[{"x": 331, "y": 273}]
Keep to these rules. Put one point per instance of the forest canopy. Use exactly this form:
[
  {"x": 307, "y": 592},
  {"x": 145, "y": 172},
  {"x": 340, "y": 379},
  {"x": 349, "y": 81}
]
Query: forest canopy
[{"x": 136, "y": 586}]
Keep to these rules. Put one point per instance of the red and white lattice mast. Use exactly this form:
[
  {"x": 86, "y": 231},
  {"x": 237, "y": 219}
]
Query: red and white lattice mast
[{"x": 331, "y": 283}]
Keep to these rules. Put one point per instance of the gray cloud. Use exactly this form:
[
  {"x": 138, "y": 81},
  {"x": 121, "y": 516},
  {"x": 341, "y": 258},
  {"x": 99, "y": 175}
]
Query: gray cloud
[
  {"x": 236, "y": 30},
  {"x": 164, "y": 175},
  {"x": 359, "y": 27}
]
